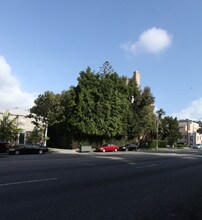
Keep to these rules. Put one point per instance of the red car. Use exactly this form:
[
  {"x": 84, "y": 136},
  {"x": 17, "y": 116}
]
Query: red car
[{"x": 108, "y": 147}]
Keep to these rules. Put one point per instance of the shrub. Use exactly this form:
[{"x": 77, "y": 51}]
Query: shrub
[
  {"x": 153, "y": 143},
  {"x": 181, "y": 145}
]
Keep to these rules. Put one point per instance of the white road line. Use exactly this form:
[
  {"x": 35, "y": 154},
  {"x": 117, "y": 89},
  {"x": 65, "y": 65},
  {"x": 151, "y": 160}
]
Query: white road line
[
  {"x": 145, "y": 166},
  {"x": 87, "y": 164},
  {"x": 190, "y": 158},
  {"x": 151, "y": 165},
  {"x": 131, "y": 163},
  {"x": 28, "y": 181},
  {"x": 108, "y": 157}
]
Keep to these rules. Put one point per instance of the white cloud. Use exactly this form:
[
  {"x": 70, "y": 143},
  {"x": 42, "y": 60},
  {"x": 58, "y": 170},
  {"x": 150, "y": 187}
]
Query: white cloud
[
  {"x": 193, "y": 112},
  {"x": 153, "y": 40},
  {"x": 11, "y": 95}
]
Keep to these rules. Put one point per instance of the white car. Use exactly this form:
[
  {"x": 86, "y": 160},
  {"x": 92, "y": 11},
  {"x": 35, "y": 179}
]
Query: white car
[{"x": 197, "y": 146}]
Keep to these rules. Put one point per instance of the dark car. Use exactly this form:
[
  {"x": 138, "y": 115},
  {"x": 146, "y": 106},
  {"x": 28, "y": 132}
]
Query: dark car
[
  {"x": 129, "y": 147},
  {"x": 28, "y": 149},
  {"x": 4, "y": 147},
  {"x": 108, "y": 147}
]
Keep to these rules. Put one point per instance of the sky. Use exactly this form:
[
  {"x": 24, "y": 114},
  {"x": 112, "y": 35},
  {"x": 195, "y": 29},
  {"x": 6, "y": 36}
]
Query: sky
[{"x": 45, "y": 44}]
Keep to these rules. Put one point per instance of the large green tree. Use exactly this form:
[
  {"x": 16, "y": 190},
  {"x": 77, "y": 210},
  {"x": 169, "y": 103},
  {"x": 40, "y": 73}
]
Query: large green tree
[
  {"x": 100, "y": 107},
  {"x": 47, "y": 111},
  {"x": 48, "y": 108},
  {"x": 170, "y": 130},
  {"x": 98, "y": 104},
  {"x": 141, "y": 118}
]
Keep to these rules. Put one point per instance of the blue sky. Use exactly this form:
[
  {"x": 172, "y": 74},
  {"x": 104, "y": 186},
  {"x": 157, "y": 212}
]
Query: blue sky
[{"x": 44, "y": 44}]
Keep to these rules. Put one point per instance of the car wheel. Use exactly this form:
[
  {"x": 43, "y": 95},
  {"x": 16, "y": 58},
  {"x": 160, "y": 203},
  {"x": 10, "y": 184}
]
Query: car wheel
[
  {"x": 115, "y": 150},
  {"x": 40, "y": 151},
  {"x": 103, "y": 150},
  {"x": 17, "y": 152}
]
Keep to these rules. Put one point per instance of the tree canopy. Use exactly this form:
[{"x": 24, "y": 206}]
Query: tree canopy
[
  {"x": 102, "y": 106},
  {"x": 47, "y": 109},
  {"x": 99, "y": 104},
  {"x": 170, "y": 130}
]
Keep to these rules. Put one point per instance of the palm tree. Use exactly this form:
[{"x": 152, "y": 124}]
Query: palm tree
[
  {"x": 9, "y": 128},
  {"x": 159, "y": 113},
  {"x": 36, "y": 136}
]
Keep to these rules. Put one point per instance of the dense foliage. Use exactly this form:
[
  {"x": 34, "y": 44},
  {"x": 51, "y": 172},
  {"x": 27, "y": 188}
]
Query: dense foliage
[
  {"x": 9, "y": 128},
  {"x": 47, "y": 109},
  {"x": 170, "y": 130},
  {"x": 101, "y": 107}
]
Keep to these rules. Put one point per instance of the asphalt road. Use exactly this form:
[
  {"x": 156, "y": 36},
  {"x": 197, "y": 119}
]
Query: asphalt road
[{"x": 94, "y": 186}]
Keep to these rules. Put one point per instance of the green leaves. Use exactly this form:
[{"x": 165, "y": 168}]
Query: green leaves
[
  {"x": 170, "y": 130},
  {"x": 48, "y": 109},
  {"x": 141, "y": 119},
  {"x": 103, "y": 105},
  {"x": 100, "y": 106},
  {"x": 160, "y": 113},
  {"x": 36, "y": 136},
  {"x": 8, "y": 128}
]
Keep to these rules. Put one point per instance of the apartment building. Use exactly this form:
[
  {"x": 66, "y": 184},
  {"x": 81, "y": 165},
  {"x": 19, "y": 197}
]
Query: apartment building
[
  {"x": 188, "y": 129},
  {"x": 22, "y": 121}
]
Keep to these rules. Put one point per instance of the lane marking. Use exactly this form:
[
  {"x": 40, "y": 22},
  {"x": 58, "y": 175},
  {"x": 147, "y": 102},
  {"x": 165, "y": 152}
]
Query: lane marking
[
  {"x": 109, "y": 157},
  {"x": 87, "y": 164},
  {"x": 28, "y": 181},
  {"x": 190, "y": 158},
  {"x": 151, "y": 165},
  {"x": 131, "y": 163},
  {"x": 145, "y": 166}
]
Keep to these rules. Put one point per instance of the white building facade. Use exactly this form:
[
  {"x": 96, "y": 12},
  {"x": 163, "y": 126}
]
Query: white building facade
[
  {"x": 23, "y": 122},
  {"x": 188, "y": 129}
]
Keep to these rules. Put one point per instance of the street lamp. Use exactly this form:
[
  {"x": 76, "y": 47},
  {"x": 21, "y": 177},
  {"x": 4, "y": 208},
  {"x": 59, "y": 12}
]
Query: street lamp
[{"x": 157, "y": 133}]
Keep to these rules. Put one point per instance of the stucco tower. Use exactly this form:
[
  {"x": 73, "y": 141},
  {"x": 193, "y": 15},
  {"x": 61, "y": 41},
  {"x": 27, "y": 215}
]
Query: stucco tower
[{"x": 137, "y": 77}]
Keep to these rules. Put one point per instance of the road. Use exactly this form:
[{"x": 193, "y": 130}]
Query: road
[{"x": 94, "y": 186}]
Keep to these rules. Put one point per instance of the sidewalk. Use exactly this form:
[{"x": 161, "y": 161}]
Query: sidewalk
[{"x": 63, "y": 151}]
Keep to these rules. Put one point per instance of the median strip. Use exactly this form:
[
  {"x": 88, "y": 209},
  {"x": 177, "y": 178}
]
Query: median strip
[{"x": 28, "y": 181}]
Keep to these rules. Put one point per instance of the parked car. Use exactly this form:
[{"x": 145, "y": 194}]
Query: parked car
[
  {"x": 197, "y": 146},
  {"x": 28, "y": 149},
  {"x": 108, "y": 147},
  {"x": 4, "y": 147},
  {"x": 129, "y": 147}
]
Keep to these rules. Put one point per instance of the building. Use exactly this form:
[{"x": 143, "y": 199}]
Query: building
[
  {"x": 188, "y": 129},
  {"x": 137, "y": 77},
  {"x": 22, "y": 122}
]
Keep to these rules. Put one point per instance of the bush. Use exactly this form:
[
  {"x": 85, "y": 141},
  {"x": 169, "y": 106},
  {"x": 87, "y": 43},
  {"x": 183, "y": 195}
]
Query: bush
[
  {"x": 153, "y": 144},
  {"x": 181, "y": 145}
]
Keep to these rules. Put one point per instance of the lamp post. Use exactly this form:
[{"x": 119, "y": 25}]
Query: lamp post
[{"x": 157, "y": 133}]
